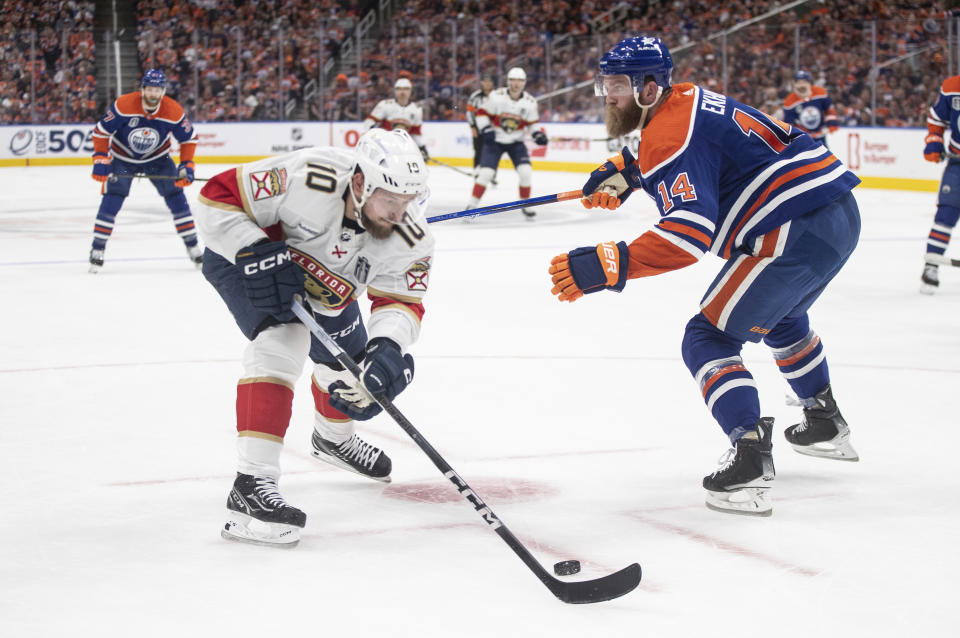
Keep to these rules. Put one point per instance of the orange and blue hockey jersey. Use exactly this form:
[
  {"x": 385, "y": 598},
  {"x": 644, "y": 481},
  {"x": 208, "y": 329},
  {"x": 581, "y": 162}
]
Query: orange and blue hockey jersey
[
  {"x": 811, "y": 115},
  {"x": 946, "y": 112},
  {"x": 722, "y": 174},
  {"x": 131, "y": 135}
]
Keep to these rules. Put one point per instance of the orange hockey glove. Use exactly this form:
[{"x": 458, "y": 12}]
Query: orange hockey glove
[
  {"x": 101, "y": 167},
  {"x": 186, "y": 173},
  {"x": 933, "y": 151},
  {"x": 611, "y": 183},
  {"x": 589, "y": 269}
]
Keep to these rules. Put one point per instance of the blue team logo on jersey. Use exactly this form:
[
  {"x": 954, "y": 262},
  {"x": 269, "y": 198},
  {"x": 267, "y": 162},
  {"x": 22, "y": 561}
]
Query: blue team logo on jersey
[
  {"x": 810, "y": 118},
  {"x": 143, "y": 140}
]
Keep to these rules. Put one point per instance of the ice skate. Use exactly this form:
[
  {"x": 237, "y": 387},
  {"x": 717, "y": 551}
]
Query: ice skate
[
  {"x": 196, "y": 254},
  {"x": 529, "y": 214},
  {"x": 741, "y": 484},
  {"x": 96, "y": 260},
  {"x": 258, "y": 514},
  {"x": 823, "y": 431},
  {"x": 930, "y": 279},
  {"x": 355, "y": 455}
]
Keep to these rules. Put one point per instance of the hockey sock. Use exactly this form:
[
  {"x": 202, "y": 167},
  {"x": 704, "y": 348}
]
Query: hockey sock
[
  {"x": 940, "y": 232},
  {"x": 258, "y": 457},
  {"x": 799, "y": 355},
  {"x": 106, "y": 217},
  {"x": 329, "y": 422},
  {"x": 186, "y": 229},
  {"x": 727, "y": 387},
  {"x": 263, "y": 408}
]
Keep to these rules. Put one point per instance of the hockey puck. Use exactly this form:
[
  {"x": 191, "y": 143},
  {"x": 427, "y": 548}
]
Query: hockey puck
[{"x": 566, "y": 568}]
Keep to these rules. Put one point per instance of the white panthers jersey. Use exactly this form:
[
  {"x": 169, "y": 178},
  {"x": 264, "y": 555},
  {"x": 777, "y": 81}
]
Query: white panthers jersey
[
  {"x": 305, "y": 192},
  {"x": 510, "y": 118},
  {"x": 388, "y": 114}
]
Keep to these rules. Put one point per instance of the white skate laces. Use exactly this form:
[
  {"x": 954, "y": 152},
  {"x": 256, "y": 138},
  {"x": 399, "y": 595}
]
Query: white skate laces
[
  {"x": 363, "y": 452},
  {"x": 268, "y": 493}
]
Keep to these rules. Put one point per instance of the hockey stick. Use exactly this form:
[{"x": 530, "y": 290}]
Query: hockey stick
[
  {"x": 499, "y": 208},
  {"x": 586, "y": 591},
  {"x": 457, "y": 169},
  {"x": 581, "y": 139},
  {"x": 941, "y": 260},
  {"x": 112, "y": 177}
]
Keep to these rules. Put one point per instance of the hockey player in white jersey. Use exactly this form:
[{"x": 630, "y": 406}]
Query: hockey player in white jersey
[
  {"x": 503, "y": 122},
  {"x": 326, "y": 224},
  {"x": 400, "y": 113}
]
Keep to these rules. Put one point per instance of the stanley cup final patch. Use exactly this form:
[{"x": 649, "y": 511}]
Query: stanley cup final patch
[
  {"x": 267, "y": 184},
  {"x": 417, "y": 275}
]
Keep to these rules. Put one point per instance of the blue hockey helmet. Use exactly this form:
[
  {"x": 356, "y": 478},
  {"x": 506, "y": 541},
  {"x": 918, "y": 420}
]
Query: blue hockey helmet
[
  {"x": 637, "y": 58},
  {"x": 154, "y": 77},
  {"x": 802, "y": 75}
]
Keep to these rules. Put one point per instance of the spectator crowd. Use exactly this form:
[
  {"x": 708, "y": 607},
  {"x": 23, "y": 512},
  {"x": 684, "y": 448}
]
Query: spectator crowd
[{"x": 228, "y": 60}]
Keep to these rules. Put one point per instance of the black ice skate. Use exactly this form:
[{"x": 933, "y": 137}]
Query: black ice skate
[
  {"x": 529, "y": 214},
  {"x": 930, "y": 279},
  {"x": 258, "y": 514},
  {"x": 96, "y": 260},
  {"x": 823, "y": 431},
  {"x": 196, "y": 254},
  {"x": 740, "y": 486},
  {"x": 355, "y": 455}
]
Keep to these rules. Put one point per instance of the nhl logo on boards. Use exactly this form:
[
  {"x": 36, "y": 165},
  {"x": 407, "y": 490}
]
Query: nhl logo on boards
[{"x": 143, "y": 140}]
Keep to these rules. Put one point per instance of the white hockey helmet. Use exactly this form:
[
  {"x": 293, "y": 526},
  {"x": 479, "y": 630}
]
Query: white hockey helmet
[
  {"x": 516, "y": 73},
  {"x": 390, "y": 160}
]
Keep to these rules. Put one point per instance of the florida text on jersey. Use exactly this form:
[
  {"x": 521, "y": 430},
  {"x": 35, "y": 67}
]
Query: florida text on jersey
[
  {"x": 299, "y": 197},
  {"x": 724, "y": 174},
  {"x": 945, "y": 113},
  {"x": 130, "y": 134}
]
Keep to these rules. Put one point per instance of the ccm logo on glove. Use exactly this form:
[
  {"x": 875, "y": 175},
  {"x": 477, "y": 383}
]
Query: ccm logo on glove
[{"x": 267, "y": 263}]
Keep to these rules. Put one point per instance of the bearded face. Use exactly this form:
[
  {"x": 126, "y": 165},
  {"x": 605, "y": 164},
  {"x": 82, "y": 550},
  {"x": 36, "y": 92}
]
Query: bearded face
[{"x": 622, "y": 120}]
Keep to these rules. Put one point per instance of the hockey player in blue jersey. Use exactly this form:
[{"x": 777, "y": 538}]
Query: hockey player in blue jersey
[
  {"x": 809, "y": 108},
  {"x": 944, "y": 114},
  {"x": 758, "y": 193},
  {"x": 133, "y": 137}
]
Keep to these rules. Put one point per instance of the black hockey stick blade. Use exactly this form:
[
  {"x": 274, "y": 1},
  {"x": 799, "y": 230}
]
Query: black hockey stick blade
[{"x": 597, "y": 590}]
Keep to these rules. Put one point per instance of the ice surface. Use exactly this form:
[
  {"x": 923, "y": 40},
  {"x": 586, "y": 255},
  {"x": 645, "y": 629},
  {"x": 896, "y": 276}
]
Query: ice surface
[{"x": 578, "y": 424}]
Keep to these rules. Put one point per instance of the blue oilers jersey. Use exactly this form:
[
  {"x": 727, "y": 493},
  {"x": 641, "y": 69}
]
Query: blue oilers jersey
[
  {"x": 812, "y": 114},
  {"x": 723, "y": 174},
  {"x": 945, "y": 113},
  {"x": 132, "y": 135}
]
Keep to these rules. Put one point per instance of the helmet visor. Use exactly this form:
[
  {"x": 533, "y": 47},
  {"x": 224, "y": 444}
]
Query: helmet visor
[{"x": 613, "y": 85}]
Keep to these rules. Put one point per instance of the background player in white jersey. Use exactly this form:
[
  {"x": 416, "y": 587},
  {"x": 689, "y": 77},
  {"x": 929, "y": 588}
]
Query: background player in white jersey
[
  {"x": 503, "y": 123},
  {"x": 400, "y": 113},
  {"x": 324, "y": 223},
  {"x": 476, "y": 102}
]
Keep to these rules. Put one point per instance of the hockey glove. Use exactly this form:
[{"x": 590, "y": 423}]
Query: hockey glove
[
  {"x": 933, "y": 151},
  {"x": 425, "y": 153},
  {"x": 589, "y": 269},
  {"x": 270, "y": 278},
  {"x": 611, "y": 183},
  {"x": 539, "y": 138},
  {"x": 101, "y": 167},
  {"x": 185, "y": 171},
  {"x": 386, "y": 373}
]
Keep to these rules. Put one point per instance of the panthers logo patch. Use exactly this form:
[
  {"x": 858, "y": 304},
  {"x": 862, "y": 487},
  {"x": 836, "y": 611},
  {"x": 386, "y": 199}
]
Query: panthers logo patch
[
  {"x": 267, "y": 184},
  {"x": 333, "y": 292},
  {"x": 509, "y": 123}
]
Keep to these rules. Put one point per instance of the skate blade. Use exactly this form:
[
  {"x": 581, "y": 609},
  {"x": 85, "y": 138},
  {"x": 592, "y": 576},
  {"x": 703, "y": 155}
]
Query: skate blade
[
  {"x": 927, "y": 289},
  {"x": 93, "y": 269},
  {"x": 840, "y": 451},
  {"x": 750, "y": 501},
  {"x": 245, "y": 529},
  {"x": 332, "y": 460}
]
